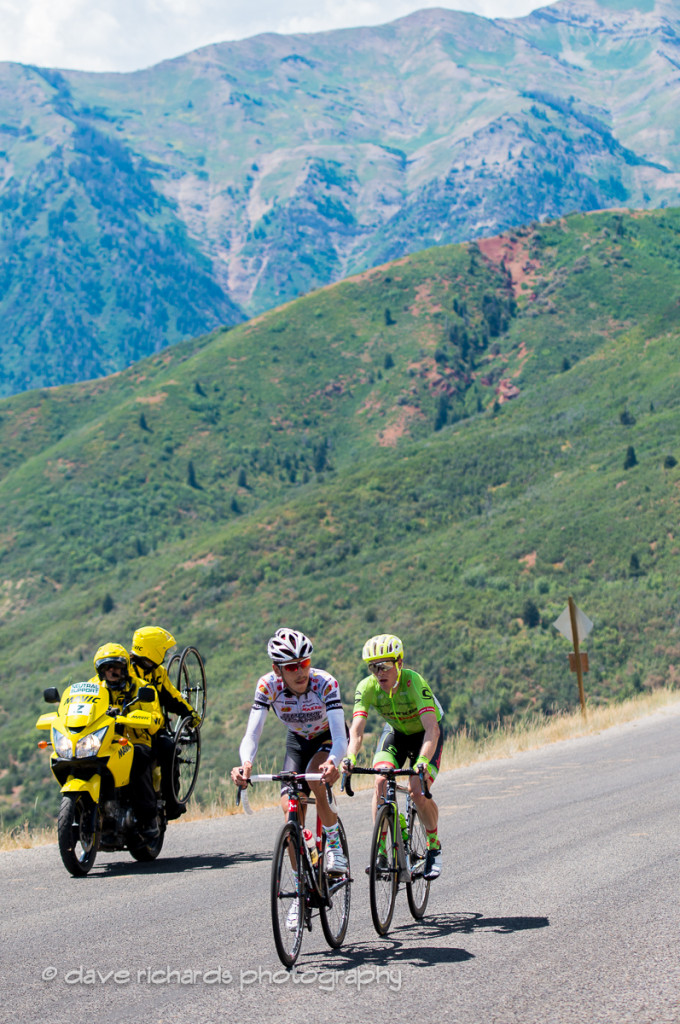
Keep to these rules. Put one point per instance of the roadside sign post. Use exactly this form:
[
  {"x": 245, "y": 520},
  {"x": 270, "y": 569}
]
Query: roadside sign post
[{"x": 575, "y": 626}]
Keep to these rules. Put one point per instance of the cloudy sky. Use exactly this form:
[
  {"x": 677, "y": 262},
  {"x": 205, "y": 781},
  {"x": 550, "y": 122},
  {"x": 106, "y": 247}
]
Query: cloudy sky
[{"x": 123, "y": 35}]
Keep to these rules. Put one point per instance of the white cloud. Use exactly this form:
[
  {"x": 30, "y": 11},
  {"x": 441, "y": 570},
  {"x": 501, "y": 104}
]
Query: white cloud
[{"x": 122, "y": 35}]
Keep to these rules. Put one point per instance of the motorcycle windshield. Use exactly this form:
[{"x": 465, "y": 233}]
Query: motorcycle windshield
[{"x": 83, "y": 703}]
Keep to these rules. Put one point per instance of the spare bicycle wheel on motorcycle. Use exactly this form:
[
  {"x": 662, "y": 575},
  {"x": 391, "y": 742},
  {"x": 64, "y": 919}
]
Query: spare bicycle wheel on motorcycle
[
  {"x": 191, "y": 680},
  {"x": 186, "y": 759}
]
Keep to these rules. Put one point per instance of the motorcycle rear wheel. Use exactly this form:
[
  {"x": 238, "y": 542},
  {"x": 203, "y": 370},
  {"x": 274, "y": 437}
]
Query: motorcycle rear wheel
[{"x": 77, "y": 846}]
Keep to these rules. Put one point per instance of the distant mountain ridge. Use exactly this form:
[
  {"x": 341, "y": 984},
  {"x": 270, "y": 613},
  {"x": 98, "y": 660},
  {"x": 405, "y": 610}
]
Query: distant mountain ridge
[{"x": 140, "y": 209}]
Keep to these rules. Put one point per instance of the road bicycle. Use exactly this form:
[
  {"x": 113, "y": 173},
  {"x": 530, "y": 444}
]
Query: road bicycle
[
  {"x": 398, "y": 849},
  {"x": 299, "y": 884}
]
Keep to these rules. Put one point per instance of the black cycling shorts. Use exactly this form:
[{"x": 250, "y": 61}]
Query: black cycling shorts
[
  {"x": 402, "y": 745},
  {"x": 300, "y": 751}
]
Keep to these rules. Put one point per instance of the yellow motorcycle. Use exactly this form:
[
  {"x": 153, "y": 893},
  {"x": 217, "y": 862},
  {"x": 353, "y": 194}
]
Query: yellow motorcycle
[{"x": 92, "y": 760}]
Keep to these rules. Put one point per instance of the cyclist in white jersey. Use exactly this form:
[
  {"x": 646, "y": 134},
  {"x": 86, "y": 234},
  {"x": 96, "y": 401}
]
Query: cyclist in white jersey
[{"x": 307, "y": 700}]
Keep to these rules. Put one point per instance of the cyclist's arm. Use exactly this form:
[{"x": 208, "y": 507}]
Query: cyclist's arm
[
  {"x": 431, "y": 737},
  {"x": 251, "y": 740},
  {"x": 171, "y": 699},
  {"x": 356, "y": 736},
  {"x": 336, "y": 724}
]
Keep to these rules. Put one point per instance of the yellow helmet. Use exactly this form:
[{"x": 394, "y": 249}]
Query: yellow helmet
[
  {"x": 152, "y": 642},
  {"x": 117, "y": 655},
  {"x": 385, "y": 645}
]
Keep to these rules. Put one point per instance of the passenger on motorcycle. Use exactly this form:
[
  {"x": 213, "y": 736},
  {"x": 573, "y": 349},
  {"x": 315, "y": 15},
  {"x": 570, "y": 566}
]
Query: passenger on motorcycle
[
  {"x": 150, "y": 644},
  {"x": 112, "y": 664},
  {"x": 307, "y": 700}
]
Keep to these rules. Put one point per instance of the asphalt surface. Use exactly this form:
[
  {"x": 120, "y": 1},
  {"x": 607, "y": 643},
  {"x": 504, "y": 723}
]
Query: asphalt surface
[{"x": 558, "y": 903}]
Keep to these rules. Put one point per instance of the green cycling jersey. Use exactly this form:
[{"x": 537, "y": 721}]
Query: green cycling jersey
[{"x": 403, "y": 708}]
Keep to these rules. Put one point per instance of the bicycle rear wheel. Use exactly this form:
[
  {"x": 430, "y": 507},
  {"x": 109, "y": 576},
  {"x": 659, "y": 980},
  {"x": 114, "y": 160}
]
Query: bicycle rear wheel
[
  {"x": 418, "y": 889},
  {"x": 335, "y": 915},
  {"x": 383, "y": 876},
  {"x": 287, "y": 894}
]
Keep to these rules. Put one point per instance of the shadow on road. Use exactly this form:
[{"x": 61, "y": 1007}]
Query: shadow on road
[
  {"x": 175, "y": 865},
  {"x": 394, "y": 951},
  {"x": 412, "y": 943},
  {"x": 471, "y": 922}
]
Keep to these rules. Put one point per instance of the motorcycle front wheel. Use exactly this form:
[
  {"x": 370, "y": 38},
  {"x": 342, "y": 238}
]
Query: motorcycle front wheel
[{"x": 78, "y": 844}]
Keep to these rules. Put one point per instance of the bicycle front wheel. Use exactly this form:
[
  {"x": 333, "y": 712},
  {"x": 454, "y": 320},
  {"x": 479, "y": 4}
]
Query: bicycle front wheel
[
  {"x": 383, "y": 870},
  {"x": 418, "y": 889},
  {"x": 287, "y": 893},
  {"x": 335, "y": 914}
]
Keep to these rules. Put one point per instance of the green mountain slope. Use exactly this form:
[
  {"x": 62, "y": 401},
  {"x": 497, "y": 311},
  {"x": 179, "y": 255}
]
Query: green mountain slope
[
  {"x": 140, "y": 209},
  {"x": 354, "y": 462}
]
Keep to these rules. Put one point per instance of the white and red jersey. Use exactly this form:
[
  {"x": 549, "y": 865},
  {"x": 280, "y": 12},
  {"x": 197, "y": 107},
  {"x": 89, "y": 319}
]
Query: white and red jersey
[{"x": 307, "y": 714}]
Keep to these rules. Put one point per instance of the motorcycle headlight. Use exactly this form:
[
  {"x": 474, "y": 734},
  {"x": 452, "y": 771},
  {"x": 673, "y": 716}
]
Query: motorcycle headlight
[
  {"x": 62, "y": 744},
  {"x": 89, "y": 745}
]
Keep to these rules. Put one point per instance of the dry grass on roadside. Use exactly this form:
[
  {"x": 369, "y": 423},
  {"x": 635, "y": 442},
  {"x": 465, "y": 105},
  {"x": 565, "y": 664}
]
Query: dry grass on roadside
[
  {"x": 539, "y": 731},
  {"x": 460, "y": 750},
  {"x": 22, "y": 837}
]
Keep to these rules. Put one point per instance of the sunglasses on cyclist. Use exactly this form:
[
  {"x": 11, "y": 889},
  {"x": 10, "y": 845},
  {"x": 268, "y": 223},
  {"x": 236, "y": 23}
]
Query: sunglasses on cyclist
[
  {"x": 293, "y": 666},
  {"x": 381, "y": 666}
]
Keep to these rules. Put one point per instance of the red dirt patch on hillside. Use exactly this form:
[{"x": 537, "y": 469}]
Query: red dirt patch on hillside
[
  {"x": 152, "y": 399},
  {"x": 513, "y": 252},
  {"x": 390, "y": 435},
  {"x": 529, "y": 561},
  {"x": 423, "y": 301}
]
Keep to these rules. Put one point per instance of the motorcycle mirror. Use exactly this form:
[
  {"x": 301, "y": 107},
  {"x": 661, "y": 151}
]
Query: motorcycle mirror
[
  {"x": 51, "y": 695},
  {"x": 146, "y": 693}
]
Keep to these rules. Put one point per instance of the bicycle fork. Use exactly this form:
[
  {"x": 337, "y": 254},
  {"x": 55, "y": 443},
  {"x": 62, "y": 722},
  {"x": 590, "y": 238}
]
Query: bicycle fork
[{"x": 403, "y": 859}]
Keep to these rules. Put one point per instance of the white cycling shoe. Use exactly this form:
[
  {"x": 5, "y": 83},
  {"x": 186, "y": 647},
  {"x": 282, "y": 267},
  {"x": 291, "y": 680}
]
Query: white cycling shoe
[
  {"x": 293, "y": 916},
  {"x": 336, "y": 862}
]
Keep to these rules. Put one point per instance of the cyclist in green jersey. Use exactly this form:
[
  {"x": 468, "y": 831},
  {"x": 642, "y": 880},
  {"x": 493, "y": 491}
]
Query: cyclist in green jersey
[{"x": 412, "y": 715}]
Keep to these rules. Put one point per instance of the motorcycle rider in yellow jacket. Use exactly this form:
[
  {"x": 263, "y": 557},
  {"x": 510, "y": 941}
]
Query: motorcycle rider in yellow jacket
[
  {"x": 112, "y": 664},
  {"x": 150, "y": 644}
]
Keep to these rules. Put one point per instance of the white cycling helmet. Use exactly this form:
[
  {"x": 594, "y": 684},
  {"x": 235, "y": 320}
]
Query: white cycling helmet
[{"x": 288, "y": 645}]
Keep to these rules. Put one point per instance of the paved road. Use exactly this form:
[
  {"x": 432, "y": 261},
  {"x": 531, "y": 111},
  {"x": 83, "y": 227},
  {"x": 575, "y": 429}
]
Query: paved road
[{"x": 559, "y": 903}]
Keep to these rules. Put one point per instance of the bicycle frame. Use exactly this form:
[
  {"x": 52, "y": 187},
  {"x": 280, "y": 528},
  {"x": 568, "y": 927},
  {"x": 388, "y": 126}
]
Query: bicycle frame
[
  {"x": 402, "y": 858},
  {"x": 315, "y": 873},
  {"x": 296, "y": 797},
  {"x": 390, "y": 797},
  {"x": 306, "y": 883},
  {"x": 392, "y": 862}
]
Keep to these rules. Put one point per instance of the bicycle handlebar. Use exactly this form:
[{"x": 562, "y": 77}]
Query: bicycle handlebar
[
  {"x": 386, "y": 773},
  {"x": 288, "y": 777},
  {"x": 241, "y": 791}
]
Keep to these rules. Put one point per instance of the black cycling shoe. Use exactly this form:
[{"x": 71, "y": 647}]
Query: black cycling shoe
[
  {"x": 381, "y": 865},
  {"x": 433, "y": 864}
]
